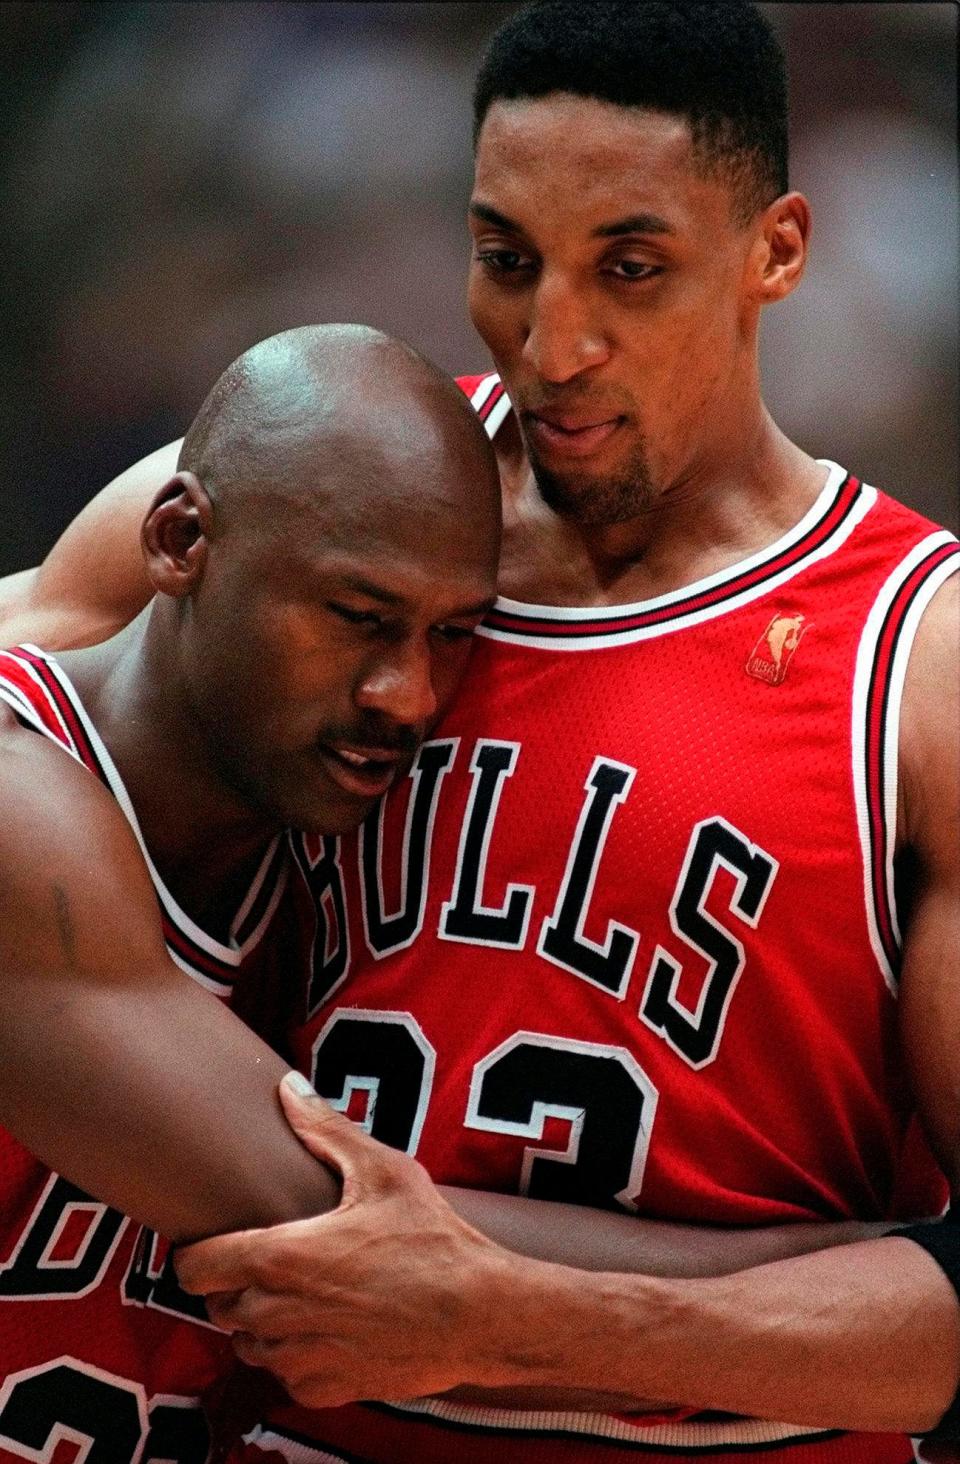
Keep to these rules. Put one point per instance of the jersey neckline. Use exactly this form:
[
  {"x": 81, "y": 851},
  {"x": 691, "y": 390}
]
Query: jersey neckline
[
  {"x": 258, "y": 904},
  {"x": 839, "y": 506}
]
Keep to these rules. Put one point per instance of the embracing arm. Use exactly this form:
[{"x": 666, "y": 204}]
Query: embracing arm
[
  {"x": 394, "y": 1295},
  {"x": 93, "y": 580}
]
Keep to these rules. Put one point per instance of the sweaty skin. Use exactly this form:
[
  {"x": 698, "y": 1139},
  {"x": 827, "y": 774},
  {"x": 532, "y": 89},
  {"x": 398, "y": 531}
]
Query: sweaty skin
[{"x": 593, "y": 320}]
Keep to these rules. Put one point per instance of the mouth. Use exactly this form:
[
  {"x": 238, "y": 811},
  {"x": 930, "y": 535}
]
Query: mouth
[
  {"x": 566, "y": 435},
  {"x": 363, "y": 772}
]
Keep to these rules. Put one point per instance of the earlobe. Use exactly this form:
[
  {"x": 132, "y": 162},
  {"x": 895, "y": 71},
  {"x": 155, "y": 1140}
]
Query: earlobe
[
  {"x": 786, "y": 234},
  {"x": 175, "y": 534}
]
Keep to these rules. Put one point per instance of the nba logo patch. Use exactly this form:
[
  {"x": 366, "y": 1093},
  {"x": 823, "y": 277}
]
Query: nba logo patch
[{"x": 773, "y": 652}]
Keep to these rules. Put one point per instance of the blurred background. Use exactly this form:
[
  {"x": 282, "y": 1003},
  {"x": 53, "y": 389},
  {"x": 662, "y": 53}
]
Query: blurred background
[{"x": 180, "y": 180}]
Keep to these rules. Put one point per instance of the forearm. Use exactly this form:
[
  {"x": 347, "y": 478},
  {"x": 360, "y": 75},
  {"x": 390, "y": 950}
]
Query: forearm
[
  {"x": 595, "y": 1240},
  {"x": 864, "y": 1337},
  {"x": 601, "y": 1240}
]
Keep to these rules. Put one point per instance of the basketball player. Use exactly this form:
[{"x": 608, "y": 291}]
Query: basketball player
[
  {"x": 244, "y": 698},
  {"x": 665, "y": 901}
]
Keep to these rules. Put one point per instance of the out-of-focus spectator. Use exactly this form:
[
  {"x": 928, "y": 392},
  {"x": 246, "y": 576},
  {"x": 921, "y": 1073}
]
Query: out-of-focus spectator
[{"x": 180, "y": 180}]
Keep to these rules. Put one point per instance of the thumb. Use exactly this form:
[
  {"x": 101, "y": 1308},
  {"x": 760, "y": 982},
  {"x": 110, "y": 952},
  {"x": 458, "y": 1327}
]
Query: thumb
[{"x": 327, "y": 1134}]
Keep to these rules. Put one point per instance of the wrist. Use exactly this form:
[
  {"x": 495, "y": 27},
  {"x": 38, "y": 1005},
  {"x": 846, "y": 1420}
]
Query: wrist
[{"x": 544, "y": 1325}]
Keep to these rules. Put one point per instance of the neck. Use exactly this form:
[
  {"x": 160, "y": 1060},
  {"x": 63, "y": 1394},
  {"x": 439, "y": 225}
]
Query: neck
[
  {"x": 205, "y": 842},
  {"x": 711, "y": 516}
]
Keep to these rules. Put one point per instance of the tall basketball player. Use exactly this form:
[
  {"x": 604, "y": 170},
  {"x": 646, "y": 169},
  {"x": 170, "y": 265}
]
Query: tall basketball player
[{"x": 631, "y": 935}]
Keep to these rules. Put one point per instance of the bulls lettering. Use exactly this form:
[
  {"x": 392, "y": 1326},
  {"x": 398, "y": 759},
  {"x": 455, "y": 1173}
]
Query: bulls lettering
[
  {"x": 34, "y": 1269},
  {"x": 694, "y": 1033},
  {"x": 465, "y": 916},
  {"x": 562, "y": 939},
  {"x": 386, "y": 933}
]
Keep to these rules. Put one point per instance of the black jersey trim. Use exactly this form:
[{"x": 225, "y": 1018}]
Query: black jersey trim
[
  {"x": 846, "y": 503},
  {"x": 878, "y": 685}
]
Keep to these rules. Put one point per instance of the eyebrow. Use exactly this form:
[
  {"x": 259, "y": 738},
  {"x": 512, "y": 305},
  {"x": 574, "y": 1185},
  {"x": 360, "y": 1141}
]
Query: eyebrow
[
  {"x": 387, "y": 597},
  {"x": 362, "y": 586},
  {"x": 638, "y": 223},
  {"x": 488, "y": 215}
]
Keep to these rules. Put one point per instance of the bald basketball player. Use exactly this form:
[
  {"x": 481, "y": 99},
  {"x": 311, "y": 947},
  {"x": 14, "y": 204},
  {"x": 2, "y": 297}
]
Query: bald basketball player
[
  {"x": 630, "y": 224},
  {"x": 144, "y": 785}
]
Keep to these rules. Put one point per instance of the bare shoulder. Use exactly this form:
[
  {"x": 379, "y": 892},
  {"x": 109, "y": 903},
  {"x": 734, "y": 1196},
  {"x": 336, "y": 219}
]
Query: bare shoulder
[
  {"x": 930, "y": 728},
  {"x": 65, "y": 848},
  {"x": 929, "y": 838},
  {"x": 93, "y": 581}
]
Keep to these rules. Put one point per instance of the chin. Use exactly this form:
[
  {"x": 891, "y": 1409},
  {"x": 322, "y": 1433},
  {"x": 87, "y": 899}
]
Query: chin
[
  {"x": 332, "y": 818},
  {"x": 594, "y": 502}
]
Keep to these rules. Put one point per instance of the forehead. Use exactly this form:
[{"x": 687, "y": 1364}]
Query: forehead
[
  {"x": 414, "y": 538},
  {"x": 573, "y": 159}
]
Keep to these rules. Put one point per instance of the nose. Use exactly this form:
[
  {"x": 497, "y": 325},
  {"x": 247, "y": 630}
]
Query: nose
[
  {"x": 563, "y": 336},
  {"x": 399, "y": 685}
]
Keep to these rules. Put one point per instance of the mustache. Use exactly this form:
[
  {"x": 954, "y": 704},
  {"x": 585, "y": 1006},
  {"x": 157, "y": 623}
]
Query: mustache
[
  {"x": 570, "y": 399},
  {"x": 374, "y": 731}
]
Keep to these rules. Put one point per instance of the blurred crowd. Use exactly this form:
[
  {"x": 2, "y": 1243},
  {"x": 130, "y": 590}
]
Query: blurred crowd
[{"x": 179, "y": 180}]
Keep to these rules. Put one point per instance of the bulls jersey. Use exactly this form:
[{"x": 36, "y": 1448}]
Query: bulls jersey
[
  {"x": 628, "y": 936},
  {"x": 100, "y": 1350}
]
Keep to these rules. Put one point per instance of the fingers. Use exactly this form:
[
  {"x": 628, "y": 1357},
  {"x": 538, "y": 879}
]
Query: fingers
[
  {"x": 263, "y": 1314},
  {"x": 223, "y": 1263},
  {"x": 332, "y": 1137},
  {"x": 292, "y": 1361},
  {"x": 316, "y": 1123}
]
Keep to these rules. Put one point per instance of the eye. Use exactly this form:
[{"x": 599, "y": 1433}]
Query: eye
[
  {"x": 633, "y": 269},
  {"x": 354, "y": 617},
  {"x": 453, "y": 634},
  {"x": 502, "y": 261}
]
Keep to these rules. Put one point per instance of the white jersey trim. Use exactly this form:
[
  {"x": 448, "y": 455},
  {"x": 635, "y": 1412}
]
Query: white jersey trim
[
  {"x": 230, "y": 954},
  {"x": 481, "y": 394},
  {"x": 836, "y": 477},
  {"x": 685, "y": 1435},
  {"x": 862, "y": 683},
  {"x": 14, "y": 697}
]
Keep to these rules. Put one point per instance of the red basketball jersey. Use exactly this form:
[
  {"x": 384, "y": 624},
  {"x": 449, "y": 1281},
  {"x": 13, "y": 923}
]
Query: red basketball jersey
[
  {"x": 627, "y": 935},
  {"x": 102, "y": 1356}
]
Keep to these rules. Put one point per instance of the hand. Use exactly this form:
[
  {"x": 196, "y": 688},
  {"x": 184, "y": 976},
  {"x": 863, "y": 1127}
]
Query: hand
[{"x": 391, "y": 1295}]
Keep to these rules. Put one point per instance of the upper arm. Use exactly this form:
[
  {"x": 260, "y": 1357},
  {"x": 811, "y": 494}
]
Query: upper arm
[
  {"x": 93, "y": 581},
  {"x": 930, "y": 834},
  {"x": 116, "y": 1068}
]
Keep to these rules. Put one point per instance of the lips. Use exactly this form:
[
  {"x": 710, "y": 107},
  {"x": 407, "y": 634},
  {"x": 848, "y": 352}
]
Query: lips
[
  {"x": 562, "y": 434},
  {"x": 364, "y": 772}
]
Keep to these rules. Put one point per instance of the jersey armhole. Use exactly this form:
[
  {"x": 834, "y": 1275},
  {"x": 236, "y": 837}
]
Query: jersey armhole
[
  {"x": 881, "y": 666},
  {"x": 488, "y": 398}
]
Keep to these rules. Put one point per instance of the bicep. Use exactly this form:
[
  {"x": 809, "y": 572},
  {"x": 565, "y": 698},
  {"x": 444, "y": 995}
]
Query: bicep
[
  {"x": 930, "y": 978},
  {"x": 116, "y": 1068},
  {"x": 93, "y": 581}
]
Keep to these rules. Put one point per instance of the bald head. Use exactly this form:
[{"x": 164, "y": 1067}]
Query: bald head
[
  {"x": 323, "y": 554},
  {"x": 328, "y": 413}
]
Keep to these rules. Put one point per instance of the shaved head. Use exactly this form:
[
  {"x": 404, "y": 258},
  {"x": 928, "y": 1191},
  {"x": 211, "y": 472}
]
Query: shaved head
[
  {"x": 314, "y": 414},
  {"x": 323, "y": 553}
]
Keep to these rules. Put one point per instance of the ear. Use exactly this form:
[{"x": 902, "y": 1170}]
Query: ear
[
  {"x": 176, "y": 535},
  {"x": 779, "y": 255}
]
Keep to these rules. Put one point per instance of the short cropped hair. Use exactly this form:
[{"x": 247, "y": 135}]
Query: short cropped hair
[{"x": 715, "y": 63}]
